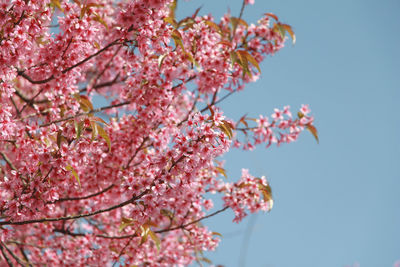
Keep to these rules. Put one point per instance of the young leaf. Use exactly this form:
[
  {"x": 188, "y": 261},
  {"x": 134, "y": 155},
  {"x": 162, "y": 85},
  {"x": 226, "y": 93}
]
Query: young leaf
[
  {"x": 279, "y": 29},
  {"x": 156, "y": 240},
  {"x": 125, "y": 222},
  {"x": 226, "y": 130},
  {"x": 234, "y": 58},
  {"x": 172, "y": 9},
  {"x": 226, "y": 43},
  {"x": 236, "y": 21},
  {"x": 59, "y": 138},
  {"x": 145, "y": 233},
  {"x": 161, "y": 60},
  {"x": 289, "y": 29},
  {"x": 176, "y": 35},
  {"x": 95, "y": 132},
  {"x": 243, "y": 61},
  {"x": 85, "y": 103},
  {"x": 205, "y": 260},
  {"x": 216, "y": 233},
  {"x": 171, "y": 21},
  {"x": 243, "y": 120},
  {"x": 98, "y": 119},
  {"x": 214, "y": 26},
  {"x": 74, "y": 173},
  {"x": 78, "y": 128},
  {"x": 267, "y": 194},
  {"x": 57, "y": 4},
  {"x": 99, "y": 19},
  {"x": 250, "y": 58},
  {"x": 221, "y": 171},
  {"x": 313, "y": 131},
  {"x": 104, "y": 134},
  {"x": 272, "y": 16}
]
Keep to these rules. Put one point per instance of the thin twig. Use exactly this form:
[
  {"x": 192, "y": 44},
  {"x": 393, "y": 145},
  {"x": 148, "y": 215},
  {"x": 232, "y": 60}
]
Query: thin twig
[
  {"x": 8, "y": 161},
  {"x": 73, "y": 217},
  {"x": 16, "y": 258},
  {"x": 84, "y": 197},
  {"x": 25, "y": 256},
  {"x": 122, "y": 251},
  {"x": 135, "y": 234},
  {"x": 8, "y": 260},
  {"x": 240, "y": 17},
  {"x": 23, "y": 74},
  {"x": 85, "y": 113}
]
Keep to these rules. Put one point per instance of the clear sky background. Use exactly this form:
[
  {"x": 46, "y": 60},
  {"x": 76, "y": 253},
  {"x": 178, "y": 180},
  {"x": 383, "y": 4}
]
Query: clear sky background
[{"x": 336, "y": 203}]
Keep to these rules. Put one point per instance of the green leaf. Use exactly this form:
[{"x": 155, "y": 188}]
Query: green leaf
[
  {"x": 221, "y": 171},
  {"x": 59, "y": 138},
  {"x": 266, "y": 191},
  {"x": 78, "y": 128},
  {"x": 214, "y": 26},
  {"x": 236, "y": 21},
  {"x": 95, "y": 132},
  {"x": 167, "y": 213},
  {"x": 186, "y": 23},
  {"x": 98, "y": 119},
  {"x": 161, "y": 60},
  {"x": 176, "y": 35},
  {"x": 234, "y": 58},
  {"x": 104, "y": 134},
  {"x": 145, "y": 233},
  {"x": 171, "y": 21},
  {"x": 279, "y": 29},
  {"x": 172, "y": 9},
  {"x": 155, "y": 238},
  {"x": 243, "y": 61},
  {"x": 226, "y": 130},
  {"x": 249, "y": 58},
  {"x": 125, "y": 222},
  {"x": 57, "y": 4},
  {"x": 74, "y": 173},
  {"x": 85, "y": 103},
  {"x": 99, "y": 19}
]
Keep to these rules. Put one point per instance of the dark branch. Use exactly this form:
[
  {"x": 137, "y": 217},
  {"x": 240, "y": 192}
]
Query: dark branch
[
  {"x": 84, "y": 197},
  {"x": 23, "y": 74},
  {"x": 86, "y": 113},
  {"x": 73, "y": 217}
]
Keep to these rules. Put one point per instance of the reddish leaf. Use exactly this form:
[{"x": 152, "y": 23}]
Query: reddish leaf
[
  {"x": 313, "y": 131},
  {"x": 272, "y": 16}
]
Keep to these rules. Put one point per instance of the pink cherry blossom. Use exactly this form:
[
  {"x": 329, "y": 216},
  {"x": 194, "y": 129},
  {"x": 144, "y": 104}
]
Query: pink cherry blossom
[{"x": 127, "y": 182}]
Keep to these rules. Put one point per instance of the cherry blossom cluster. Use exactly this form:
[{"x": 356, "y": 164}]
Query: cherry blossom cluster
[
  {"x": 125, "y": 183},
  {"x": 282, "y": 128}
]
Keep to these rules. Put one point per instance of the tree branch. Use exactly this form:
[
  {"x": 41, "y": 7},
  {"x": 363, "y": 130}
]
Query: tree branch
[
  {"x": 6, "y": 159},
  {"x": 23, "y": 74},
  {"x": 81, "y": 198},
  {"x": 85, "y": 113},
  {"x": 16, "y": 258},
  {"x": 73, "y": 217},
  {"x": 182, "y": 226},
  {"x": 8, "y": 260}
]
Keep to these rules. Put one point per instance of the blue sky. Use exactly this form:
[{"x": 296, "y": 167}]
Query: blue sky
[{"x": 336, "y": 203}]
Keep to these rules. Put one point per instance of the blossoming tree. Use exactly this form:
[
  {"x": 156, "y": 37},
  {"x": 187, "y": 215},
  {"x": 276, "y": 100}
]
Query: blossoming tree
[{"x": 126, "y": 183}]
